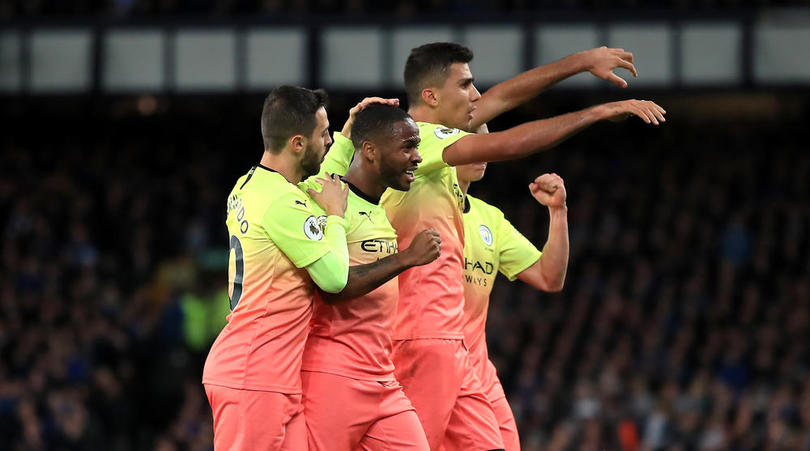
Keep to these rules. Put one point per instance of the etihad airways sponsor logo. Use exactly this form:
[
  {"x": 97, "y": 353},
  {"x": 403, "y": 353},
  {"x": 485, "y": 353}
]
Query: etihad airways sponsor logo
[
  {"x": 472, "y": 266},
  {"x": 379, "y": 246}
]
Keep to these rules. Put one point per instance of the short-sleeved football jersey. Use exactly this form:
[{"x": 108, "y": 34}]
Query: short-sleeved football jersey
[
  {"x": 274, "y": 235},
  {"x": 492, "y": 244},
  {"x": 431, "y": 297},
  {"x": 353, "y": 338}
]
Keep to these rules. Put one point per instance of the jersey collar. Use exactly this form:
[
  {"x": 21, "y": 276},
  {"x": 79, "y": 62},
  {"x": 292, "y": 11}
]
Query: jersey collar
[
  {"x": 361, "y": 194},
  {"x": 266, "y": 168}
]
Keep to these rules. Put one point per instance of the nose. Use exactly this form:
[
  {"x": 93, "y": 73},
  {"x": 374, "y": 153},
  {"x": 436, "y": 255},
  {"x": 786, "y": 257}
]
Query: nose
[
  {"x": 474, "y": 94},
  {"x": 328, "y": 143},
  {"x": 416, "y": 157}
]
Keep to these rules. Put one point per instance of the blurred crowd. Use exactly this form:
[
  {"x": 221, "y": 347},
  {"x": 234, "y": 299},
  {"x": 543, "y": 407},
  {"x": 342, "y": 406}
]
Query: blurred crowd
[
  {"x": 683, "y": 324},
  {"x": 685, "y": 318},
  {"x": 405, "y": 8}
]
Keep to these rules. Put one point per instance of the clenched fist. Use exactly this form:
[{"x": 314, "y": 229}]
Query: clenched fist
[
  {"x": 549, "y": 190},
  {"x": 425, "y": 247}
]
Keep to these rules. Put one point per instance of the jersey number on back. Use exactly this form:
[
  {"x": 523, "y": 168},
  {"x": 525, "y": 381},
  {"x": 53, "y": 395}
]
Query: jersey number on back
[{"x": 236, "y": 291}]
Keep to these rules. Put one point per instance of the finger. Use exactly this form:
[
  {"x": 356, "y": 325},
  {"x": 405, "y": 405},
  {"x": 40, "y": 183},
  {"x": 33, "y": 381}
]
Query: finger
[
  {"x": 628, "y": 65},
  {"x": 549, "y": 187},
  {"x": 640, "y": 113},
  {"x": 616, "y": 80},
  {"x": 627, "y": 56},
  {"x": 370, "y": 100},
  {"x": 663, "y": 111},
  {"x": 650, "y": 112},
  {"x": 312, "y": 192},
  {"x": 657, "y": 114},
  {"x": 323, "y": 182},
  {"x": 546, "y": 179}
]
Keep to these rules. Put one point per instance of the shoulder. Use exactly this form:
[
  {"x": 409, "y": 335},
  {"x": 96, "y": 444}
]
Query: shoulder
[
  {"x": 483, "y": 209},
  {"x": 430, "y": 132}
]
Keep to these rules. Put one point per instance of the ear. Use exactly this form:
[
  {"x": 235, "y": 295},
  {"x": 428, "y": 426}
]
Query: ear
[
  {"x": 369, "y": 151},
  {"x": 430, "y": 96},
  {"x": 298, "y": 143}
]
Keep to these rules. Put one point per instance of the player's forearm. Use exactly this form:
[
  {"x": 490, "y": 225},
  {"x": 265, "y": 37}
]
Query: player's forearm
[
  {"x": 517, "y": 90},
  {"x": 554, "y": 262},
  {"x": 364, "y": 279},
  {"x": 330, "y": 272},
  {"x": 339, "y": 156},
  {"x": 522, "y": 140}
]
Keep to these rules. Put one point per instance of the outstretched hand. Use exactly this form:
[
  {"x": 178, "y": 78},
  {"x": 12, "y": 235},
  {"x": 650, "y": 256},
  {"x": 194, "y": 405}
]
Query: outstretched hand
[
  {"x": 603, "y": 60},
  {"x": 647, "y": 110},
  {"x": 347, "y": 127}
]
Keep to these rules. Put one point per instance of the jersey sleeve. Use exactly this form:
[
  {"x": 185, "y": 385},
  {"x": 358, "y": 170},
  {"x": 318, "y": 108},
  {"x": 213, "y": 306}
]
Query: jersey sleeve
[
  {"x": 295, "y": 228},
  {"x": 435, "y": 138},
  {"x": 517, "y": 253},
  {"x": 331, "y": 272},
  {"x": 339, "y": 157}
]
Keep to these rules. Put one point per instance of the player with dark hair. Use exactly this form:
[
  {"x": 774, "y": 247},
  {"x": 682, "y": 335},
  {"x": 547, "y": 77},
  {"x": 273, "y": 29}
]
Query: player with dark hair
[
  {"x": 492, "y": 245},
  {"x": 252, "y": 375},
  {"x": 430, "y": 356},
  {"x": 351, "y": 398}
]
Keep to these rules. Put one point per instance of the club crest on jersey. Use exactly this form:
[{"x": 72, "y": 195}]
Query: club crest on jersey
[
  {"x": 444, "y": 132},
  {"x": 312, "y": 229},
  {"x": 486, "y": 234}
]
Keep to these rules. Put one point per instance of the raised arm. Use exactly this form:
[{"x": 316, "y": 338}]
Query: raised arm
[
  {"x": 507, "y": 95},
  {"x": 548, "y": 273},
  {"x": 363, "y": 279},
  {"x": 536, "y": 136}
]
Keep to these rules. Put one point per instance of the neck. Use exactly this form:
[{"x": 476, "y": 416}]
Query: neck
[
  {"x": 284, "y": 164},
  {"x": 464, "y": 185},
  {"x": 365, "y": 180},
  {"x": 424, "y": 113}
]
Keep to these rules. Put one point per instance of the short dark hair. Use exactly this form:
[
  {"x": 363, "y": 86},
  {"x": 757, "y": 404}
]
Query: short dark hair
[
  {"x": 289, "y": 111},
  {"x": 373, "y": 120},
  {"x": 428, "y": 65}
]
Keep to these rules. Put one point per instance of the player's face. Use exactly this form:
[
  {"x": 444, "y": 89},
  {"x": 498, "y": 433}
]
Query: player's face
[
  {"x": 317, "y": 145},
  {"x": 472, "y": 172},
  {"x": 457, "y": 97},
  {"x": 398, "y": 155}
]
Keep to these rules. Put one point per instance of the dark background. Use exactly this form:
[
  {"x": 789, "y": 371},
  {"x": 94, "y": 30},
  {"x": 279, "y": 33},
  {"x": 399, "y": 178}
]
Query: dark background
[{"x": 683, "y": 323}]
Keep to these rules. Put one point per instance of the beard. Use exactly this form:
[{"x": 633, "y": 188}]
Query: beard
[
  {"x": 393, "y": 177},
  {"x": 311, "y": 162}
]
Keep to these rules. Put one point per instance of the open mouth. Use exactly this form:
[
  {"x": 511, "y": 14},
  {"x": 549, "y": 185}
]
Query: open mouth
[{"x": 409, "y": 175}]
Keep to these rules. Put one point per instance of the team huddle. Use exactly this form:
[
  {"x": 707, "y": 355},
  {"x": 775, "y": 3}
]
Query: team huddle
[{"x": 360, "y": 269}]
